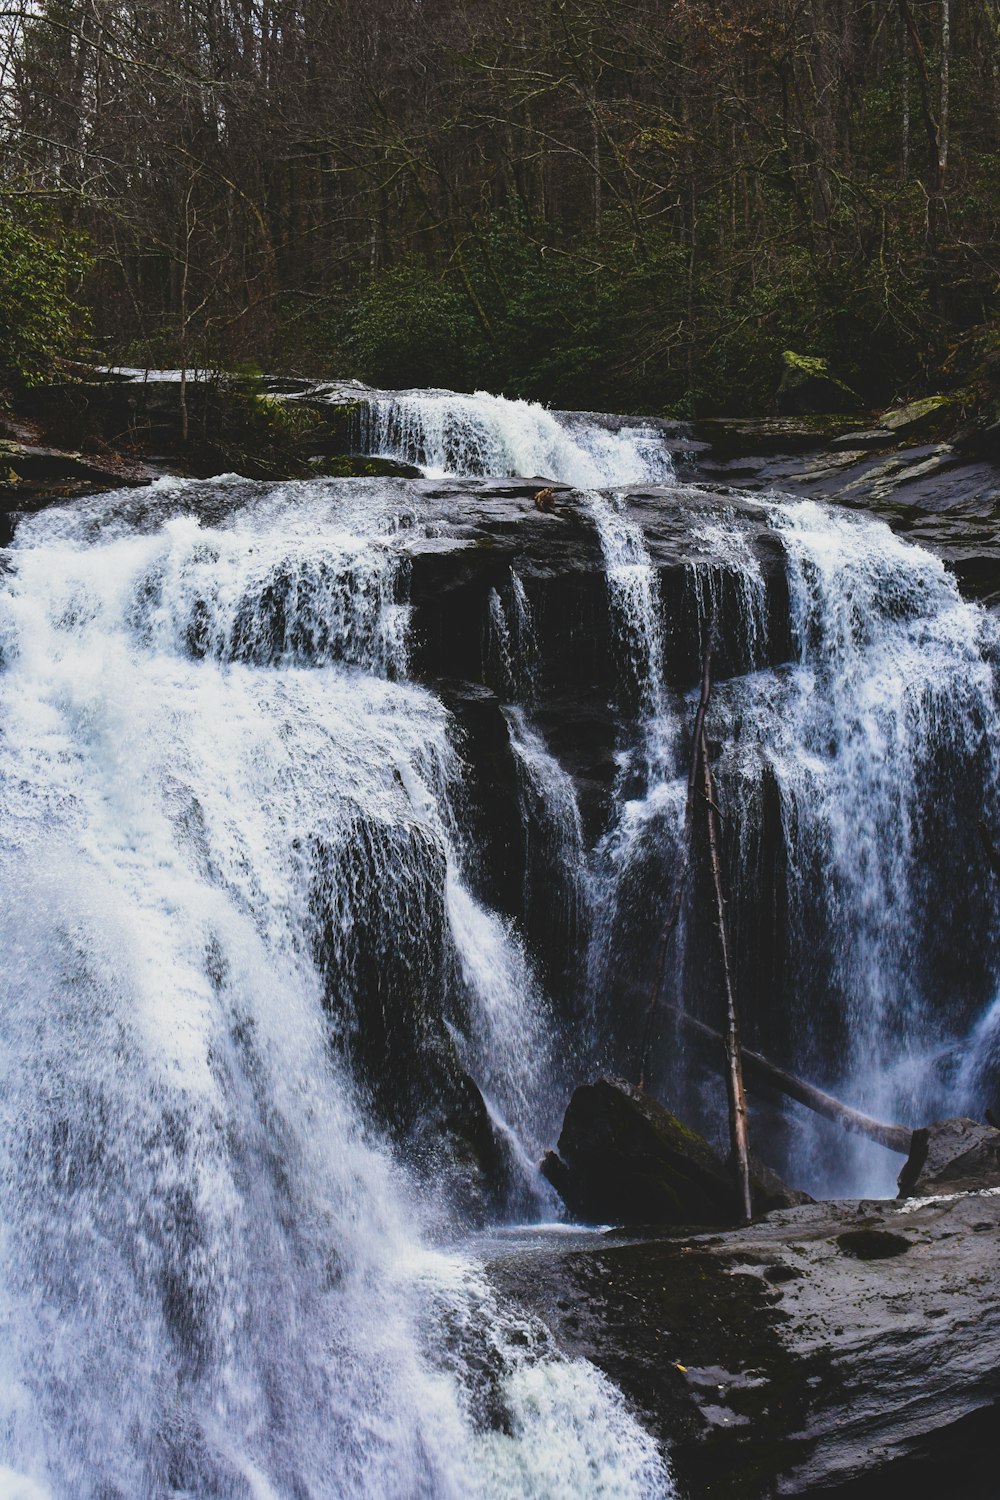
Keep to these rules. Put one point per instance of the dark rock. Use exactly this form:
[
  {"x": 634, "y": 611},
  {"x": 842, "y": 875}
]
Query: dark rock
[
  {"x": 771, "y": 1362},
  {"x": 750, "y": 436},
  {"x": 625, "y": 1159},
  {"x": 380, "y": 937},
  {"x": 769, "y": 1191},
  {"x": 951, "y": 1156},
  {"x": 873, "y": 1244},
  {"x": 28, "y": 467},
  {"x": 359, "y": 466}
]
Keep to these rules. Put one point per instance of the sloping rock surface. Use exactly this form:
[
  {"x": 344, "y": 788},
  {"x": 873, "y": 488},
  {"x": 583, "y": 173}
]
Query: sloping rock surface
[
  {"x": 840, "y": 1349},
  {"x": 951, "y": 1156}
]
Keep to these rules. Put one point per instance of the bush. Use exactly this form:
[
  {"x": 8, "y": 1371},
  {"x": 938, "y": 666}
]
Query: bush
[{"x": 40, "y": 320}]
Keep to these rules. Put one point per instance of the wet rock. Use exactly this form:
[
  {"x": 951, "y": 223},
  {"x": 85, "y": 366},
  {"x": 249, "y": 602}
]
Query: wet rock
[
  {"x": 392, "y": 990},
  {"x": 858, "y": 442},
  {"x": 774, "y": 1360},
  {"x": 747, "y": 436},
  {"x": 951, "y": 1156},
  {"x": 624, "y": 1159},
  {"x": 359, "y": 466},
  {"x": 873, "y": 1244}
]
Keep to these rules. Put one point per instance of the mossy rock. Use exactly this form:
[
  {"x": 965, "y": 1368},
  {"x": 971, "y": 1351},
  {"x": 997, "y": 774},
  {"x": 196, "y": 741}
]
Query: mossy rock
[
  {"x": 918, "y": 418},
  {"x": 361, "y": 466},
  {"x": 625, "y": 1159},
  {"x": 807, "y": 386}
]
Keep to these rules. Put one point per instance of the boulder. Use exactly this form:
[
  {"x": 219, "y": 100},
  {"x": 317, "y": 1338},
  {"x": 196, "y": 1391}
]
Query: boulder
[
  {"x": 808, "y": 387},
  {"x": 951, "y": 1156},
  {"x": 918, "y": 417},
  {"x": 623, "y": 1158}
]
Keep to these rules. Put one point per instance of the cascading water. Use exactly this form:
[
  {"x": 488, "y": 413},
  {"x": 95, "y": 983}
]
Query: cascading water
[
  {"x": 882, "y": 746},
  {"x": 266, "y": 1050},
  {"x": 875, "y": 749},
  {"x": 214, "y": 1282},
  {"x": 448, "y": 433}
]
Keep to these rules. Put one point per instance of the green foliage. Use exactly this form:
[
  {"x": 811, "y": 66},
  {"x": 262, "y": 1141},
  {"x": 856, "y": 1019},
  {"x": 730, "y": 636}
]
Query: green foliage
[
  {"x": 40, "y": 319},
  {"x": 411, "y": 327}
]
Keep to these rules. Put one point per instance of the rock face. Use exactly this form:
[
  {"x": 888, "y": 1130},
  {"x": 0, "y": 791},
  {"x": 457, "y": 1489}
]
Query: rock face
[
  {"x": 835, "y": 1349},
  {"x": 624, "y": 1159},
  {"x": 951, "y": 1156},
  {"x": 390, "y": 991}
]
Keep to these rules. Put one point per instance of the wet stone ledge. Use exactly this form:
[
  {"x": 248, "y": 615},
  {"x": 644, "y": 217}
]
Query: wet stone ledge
[{"x": 843, "y": 1349}]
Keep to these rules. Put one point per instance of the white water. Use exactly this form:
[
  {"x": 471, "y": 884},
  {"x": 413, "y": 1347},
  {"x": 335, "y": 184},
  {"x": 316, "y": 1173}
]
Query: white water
[
  {"x": 885, "y": 723},
  {"x": 215, "y": 1280},
  {"x": 549, "y": 804},
  {"x": 446, "y": 433}
]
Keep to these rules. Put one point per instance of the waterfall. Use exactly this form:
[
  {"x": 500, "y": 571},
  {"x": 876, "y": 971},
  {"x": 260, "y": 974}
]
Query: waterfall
[
  {"x": 272, "y": 1045},
  {"x": 877, "y": 748},
  {"x": 884, "y": 745},
  {"x": 218, "y": 1274},
  {"x": 447, "y": 433}
]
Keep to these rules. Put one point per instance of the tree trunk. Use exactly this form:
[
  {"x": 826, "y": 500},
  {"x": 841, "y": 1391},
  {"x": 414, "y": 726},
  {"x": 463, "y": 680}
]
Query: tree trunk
[
  {"x": 768, "y": 1075},
  {"x": 738, "y": 1125}
]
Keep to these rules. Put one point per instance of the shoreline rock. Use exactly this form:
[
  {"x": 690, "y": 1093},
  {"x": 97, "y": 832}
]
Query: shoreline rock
[{"x": 795, "y": 1356}]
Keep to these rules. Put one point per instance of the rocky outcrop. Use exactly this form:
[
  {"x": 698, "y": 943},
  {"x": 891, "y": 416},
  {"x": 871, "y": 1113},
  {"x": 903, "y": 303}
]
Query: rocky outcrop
[
  {"x": 951, "y": 1156},
  {"x": 33, "y": 475},
  {"x": 379, "y": 937},
  {"x": 625, "y": 1159},
  {"x": 838, "y": 1349}
]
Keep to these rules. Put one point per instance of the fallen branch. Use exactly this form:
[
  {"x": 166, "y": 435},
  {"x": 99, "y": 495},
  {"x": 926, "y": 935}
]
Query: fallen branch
[{"x": 759, "y": 1070}]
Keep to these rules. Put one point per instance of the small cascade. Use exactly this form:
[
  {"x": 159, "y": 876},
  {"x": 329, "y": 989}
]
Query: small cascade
[
  {"x": 730, "y": 580},
  {"x": 446, "y": 433},
  {"x": 633, "y": 594},
  {"x": 557, "y": 885},
  {"x": 883, "y": 747}
]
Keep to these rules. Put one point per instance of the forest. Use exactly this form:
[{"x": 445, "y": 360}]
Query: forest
[{"x": 629, "y": 206}]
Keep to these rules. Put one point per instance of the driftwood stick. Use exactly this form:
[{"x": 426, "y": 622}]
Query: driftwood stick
[
  {"x": 736, "y": 1092},
  {"x": 758, "y": 1070}
]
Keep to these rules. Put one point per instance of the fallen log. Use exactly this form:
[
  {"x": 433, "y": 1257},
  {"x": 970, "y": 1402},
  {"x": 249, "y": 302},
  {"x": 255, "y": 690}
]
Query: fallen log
[{"x": 758, "y": 1070}]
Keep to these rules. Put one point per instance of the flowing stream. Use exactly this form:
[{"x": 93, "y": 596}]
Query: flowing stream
[
  {"x": 268, "y": 1048},
  {"x": 445, "y": 433}
]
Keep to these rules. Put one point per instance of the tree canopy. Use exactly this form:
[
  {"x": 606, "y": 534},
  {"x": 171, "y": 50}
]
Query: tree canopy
[{"x": 639, "y": 205}]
